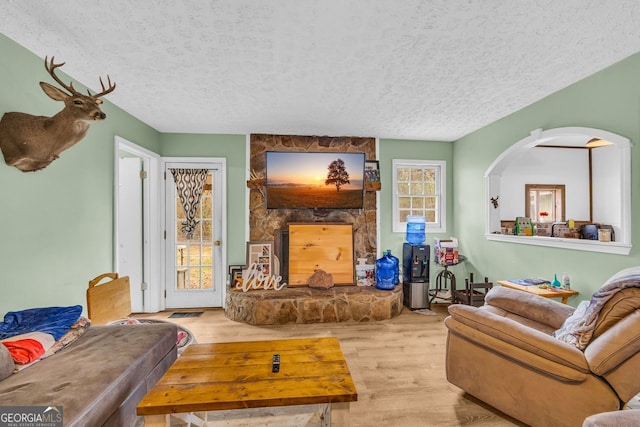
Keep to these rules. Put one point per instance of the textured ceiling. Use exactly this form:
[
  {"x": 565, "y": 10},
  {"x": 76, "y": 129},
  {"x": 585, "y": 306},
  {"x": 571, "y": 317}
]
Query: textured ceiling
[{"x": 413, "y": 69}]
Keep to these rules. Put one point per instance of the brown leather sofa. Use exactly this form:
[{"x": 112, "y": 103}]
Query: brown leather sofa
[
  {"x": 99, "y": 379},
  {"x": 504, "y": 354}
]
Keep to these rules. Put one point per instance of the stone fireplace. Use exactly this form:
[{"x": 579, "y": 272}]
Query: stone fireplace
[
  {"x": 302, "y": 304},
  {"x": 264, "y": 223}
]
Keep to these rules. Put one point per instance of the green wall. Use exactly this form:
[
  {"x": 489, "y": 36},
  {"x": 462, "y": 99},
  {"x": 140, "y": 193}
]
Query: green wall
[
  {"x": 56, "y": 225},
  {"x": 608, "y": 100},
  {"x": 233, "y": 148},
  {"x": 391, "y": 149}
]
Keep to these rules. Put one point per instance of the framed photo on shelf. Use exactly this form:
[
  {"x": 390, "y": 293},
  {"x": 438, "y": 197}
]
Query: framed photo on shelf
[
  {"x": 372, "y": 175},
  {"x": 372, "y": 171},
  {"x": 235, "y": 275},
  {"x": 260, "y": 253}
]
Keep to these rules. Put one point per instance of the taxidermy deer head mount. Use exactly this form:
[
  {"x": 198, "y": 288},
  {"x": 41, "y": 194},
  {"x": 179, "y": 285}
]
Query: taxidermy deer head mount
[{"x": 31, "y": 143}]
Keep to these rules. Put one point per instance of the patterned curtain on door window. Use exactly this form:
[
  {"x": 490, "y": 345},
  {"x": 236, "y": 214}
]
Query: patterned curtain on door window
[{"x": 189, "y": 184}]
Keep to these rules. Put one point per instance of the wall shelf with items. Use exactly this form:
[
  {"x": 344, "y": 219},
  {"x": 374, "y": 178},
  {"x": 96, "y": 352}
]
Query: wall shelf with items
[
  {"x": 372, "y": 186},
  {"x": 607, "y": 200},
  {"x": 560, "y": 242}
]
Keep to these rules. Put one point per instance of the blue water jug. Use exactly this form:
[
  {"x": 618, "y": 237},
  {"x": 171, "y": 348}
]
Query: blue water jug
[
  {"x": 396, "y": 267},
  {"x": 415, "y": 229},
  {"x": 385, "y": 273}
]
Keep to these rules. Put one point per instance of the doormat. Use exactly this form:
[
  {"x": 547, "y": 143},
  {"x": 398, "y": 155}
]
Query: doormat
[
  {"x": 426, "y": 312},
  {"x": 178, "y": 314}
]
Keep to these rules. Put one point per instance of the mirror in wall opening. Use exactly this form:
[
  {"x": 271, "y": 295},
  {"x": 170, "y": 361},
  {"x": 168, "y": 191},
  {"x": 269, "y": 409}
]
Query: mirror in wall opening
[{"x": 574, "y": 184}]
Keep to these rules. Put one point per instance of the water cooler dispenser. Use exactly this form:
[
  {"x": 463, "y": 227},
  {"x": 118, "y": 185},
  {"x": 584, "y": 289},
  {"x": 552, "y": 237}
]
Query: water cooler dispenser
[{"x": 415, "y": 275}]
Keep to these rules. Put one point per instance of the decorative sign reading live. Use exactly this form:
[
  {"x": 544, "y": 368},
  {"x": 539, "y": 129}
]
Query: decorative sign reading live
[{"x": 254, "y": 278}]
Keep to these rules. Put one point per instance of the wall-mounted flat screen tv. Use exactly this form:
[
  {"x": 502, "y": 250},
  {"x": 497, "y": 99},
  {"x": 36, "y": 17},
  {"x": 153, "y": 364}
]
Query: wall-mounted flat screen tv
[{"x": 314, "y": 180}]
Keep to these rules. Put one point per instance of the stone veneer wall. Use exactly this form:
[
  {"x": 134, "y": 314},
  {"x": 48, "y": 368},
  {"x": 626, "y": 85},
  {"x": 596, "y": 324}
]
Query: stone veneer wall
[{"x": 263, "y": 222}]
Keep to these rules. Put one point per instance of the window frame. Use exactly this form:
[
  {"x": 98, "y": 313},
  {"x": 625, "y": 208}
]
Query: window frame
[
  {"x": 440, "y": 168},
  {"x": 559, "y": 194}
]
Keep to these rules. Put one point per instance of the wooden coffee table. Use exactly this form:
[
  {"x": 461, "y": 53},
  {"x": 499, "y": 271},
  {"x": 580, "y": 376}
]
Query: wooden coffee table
[
  {"x": 238, "y": 376},
  {"x": 549, "y": 292}
]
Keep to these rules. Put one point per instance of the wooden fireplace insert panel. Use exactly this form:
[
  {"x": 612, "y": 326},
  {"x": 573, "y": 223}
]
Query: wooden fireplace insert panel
[{"x": 321, "y": 246}]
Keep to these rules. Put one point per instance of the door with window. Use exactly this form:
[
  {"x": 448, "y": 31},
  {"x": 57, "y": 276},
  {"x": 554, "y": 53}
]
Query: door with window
[
  {"x": 194, "y": 270},
  {"x": 544, "y": 202}
]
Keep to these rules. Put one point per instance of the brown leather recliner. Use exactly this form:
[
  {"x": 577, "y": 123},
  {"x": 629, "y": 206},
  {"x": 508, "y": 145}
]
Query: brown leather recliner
[{"x": 504, "y": 354}]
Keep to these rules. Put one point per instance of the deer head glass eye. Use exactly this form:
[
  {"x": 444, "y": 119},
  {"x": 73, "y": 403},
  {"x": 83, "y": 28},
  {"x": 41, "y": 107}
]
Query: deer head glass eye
[{"x": 77, "y": 102}]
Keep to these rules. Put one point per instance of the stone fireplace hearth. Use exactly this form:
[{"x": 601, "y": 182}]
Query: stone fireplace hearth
[{"x": 308, "y": 305}]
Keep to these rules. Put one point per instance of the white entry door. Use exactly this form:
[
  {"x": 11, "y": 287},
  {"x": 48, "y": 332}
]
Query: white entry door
[
  {"x": 195, "y": 271},
  {"x": 137, "y": 224},
  {"x": 130, "y": 260}
]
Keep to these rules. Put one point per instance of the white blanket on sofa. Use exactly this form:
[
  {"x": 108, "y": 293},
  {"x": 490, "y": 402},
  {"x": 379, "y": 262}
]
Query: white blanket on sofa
[{"x": 578, "y": 328}]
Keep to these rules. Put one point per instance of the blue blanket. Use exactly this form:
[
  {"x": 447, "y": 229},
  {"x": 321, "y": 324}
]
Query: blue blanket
[{"x": 51, "y": 320}]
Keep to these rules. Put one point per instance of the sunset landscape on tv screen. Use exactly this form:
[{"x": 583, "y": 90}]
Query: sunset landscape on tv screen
[{"x": 303, "y": 180}]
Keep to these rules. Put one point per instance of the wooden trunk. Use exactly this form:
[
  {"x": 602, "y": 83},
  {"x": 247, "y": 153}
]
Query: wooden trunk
[{"x": 321, "y": 246}]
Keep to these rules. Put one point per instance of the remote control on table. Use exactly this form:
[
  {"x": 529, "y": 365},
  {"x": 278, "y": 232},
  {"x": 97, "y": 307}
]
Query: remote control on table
[{"x": 275, "y": 363}]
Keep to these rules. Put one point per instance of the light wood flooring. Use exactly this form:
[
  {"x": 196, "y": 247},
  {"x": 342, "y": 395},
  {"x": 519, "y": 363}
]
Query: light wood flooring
[{"x": 398, "y": 366}]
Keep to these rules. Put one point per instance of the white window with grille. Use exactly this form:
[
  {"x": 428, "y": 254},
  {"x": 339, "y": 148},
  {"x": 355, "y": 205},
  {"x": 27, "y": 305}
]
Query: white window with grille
[{"x": 419, "y": 188}]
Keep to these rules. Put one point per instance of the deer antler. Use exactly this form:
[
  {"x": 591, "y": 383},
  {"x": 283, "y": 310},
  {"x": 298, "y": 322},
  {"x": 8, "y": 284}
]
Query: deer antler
[
  {"x": 105, "y": 91},
  {"x": 50, "y": 66}
]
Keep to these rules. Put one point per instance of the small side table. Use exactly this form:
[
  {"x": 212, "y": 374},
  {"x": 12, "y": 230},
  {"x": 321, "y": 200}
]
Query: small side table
[
  {"x": 445, "y": 280},
  {"x": 550, "y": 292}
]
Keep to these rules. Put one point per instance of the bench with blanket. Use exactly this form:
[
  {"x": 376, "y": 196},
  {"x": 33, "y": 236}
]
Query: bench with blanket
[{"x": 98, "y": 374}]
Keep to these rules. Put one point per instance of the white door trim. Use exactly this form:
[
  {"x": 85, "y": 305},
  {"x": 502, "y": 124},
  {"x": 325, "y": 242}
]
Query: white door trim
[
  {"x": 223, "y": 235},
  {"x": 152, "y": 296}
]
